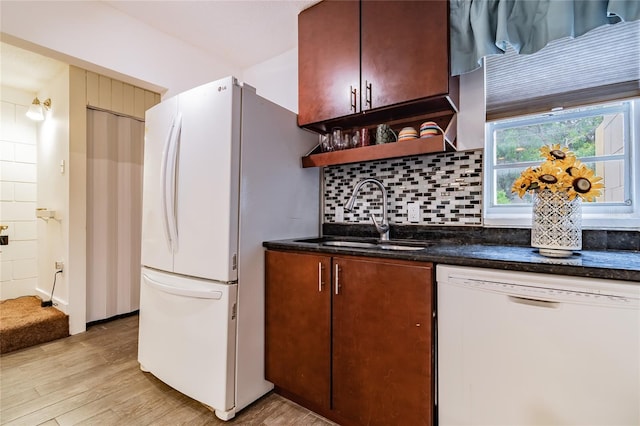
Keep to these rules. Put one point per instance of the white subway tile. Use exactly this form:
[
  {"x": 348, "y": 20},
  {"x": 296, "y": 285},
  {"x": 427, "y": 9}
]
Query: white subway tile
[
  {"x": 18, "y": 288},
  {"x": 25, "y": 153},
  {"x": 12, "y": 211},
  {"x": 6, "y": 274},
  {"x": 16, "y": 127},
  {"x": 19, "y": 250},
  {"x": 7, "y": 191},
  {"x": 25, "y": 192},
  {"x": 23, "y": 231},
  {"x": 25, "y": 268},
  {"x": 7, "y": 151},
  {"x": 18, "y": 172}
]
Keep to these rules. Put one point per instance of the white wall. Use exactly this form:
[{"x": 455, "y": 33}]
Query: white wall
[
  {"x": 53, "y": 189},
  {"x": 276, "y": 79},
  {"x": 94, "y": 36},
  {"x": 472, "y": 111},
  {"x": 18, "y": 182}
]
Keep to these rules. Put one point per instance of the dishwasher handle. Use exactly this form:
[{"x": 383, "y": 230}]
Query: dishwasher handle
[{"x": 534, "y": 302}]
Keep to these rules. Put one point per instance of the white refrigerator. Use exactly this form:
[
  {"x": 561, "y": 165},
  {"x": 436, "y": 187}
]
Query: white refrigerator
[{"x": 222, "y": 174}]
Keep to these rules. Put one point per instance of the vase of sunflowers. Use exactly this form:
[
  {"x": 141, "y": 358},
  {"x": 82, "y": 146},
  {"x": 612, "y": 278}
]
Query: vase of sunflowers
[{"x": 559, "y": 186}]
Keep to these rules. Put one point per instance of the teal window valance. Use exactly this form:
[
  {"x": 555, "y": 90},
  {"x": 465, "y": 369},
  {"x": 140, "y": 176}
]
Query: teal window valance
[{"x": 486, "y": 27}]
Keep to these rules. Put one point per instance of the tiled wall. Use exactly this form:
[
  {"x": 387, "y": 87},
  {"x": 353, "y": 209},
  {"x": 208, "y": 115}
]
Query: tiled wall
[
  {"x": 18, "y": 194},
  {"x": 447, "y": 186}
]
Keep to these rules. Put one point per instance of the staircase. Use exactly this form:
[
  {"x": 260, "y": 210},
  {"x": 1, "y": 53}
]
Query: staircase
[{"x": 24, "y": 323}]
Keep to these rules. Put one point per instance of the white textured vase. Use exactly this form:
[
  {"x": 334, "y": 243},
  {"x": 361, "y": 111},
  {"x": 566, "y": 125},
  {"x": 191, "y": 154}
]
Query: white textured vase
[{"x": 556, "y": 228}]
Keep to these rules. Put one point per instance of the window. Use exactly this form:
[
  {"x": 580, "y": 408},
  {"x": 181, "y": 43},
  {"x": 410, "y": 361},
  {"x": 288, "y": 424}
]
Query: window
[
  {"x": 583, "y": 93},
  {"x": 604, "y": 137}
]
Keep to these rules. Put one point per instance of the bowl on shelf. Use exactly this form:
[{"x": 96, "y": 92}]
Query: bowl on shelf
[
  {"x": 429, "y": 128},
  {"x": 407, "y": 133}
]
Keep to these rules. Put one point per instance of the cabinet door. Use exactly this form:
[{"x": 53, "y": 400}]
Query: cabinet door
[
  {"x": 328, "y": 60},
  {"x": 382, "y": 342},
  {"x": 298, "y": 324},
  {"x": 405, "y": 51}
]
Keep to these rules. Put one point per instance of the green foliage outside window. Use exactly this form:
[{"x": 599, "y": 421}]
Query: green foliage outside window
[{"x": 522, "y": 144}]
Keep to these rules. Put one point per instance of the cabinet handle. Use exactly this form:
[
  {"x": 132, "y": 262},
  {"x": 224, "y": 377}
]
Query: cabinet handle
[
  {"x": 337, "y": 279},
  {"x": 320, "y": 283},
  {"x": 353, "y": 95},
  {"x": 368, "y": 97}
]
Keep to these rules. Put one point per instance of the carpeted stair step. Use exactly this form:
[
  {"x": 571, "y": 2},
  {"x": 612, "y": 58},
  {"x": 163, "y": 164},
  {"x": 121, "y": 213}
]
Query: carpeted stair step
[{"x": 24, "y": 323}]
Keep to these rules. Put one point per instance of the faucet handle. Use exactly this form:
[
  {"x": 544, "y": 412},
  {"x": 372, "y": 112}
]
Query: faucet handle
[{"x": 382, "y": 228}]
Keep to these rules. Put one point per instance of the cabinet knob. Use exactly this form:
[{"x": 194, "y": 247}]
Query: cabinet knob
[
  {"x": 368, "y": 97},
  {"x": 337, "y": 278}
]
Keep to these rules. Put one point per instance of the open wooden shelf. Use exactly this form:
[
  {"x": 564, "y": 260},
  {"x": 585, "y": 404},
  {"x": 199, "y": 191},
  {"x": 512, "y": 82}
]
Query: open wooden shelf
[{"x": 436, "y": 143}]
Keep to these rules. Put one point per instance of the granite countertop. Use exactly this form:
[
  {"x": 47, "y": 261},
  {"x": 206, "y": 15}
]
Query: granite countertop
[{"x": 605, "y": 264}]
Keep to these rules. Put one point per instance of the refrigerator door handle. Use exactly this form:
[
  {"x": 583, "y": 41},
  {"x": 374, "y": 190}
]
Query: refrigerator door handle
[
  {"x": 172, "y": 177},
  {"x": 201, "y": 293},
  {"x": 168, "y": 182},
  {"x": 163, "y": 184}
]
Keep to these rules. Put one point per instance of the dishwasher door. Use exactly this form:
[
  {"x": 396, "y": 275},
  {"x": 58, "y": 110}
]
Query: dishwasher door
[{"x": 534, "y": 349}]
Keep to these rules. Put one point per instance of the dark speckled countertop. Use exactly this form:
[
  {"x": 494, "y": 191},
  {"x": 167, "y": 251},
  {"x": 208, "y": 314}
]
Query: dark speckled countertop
[{"x": 605, "y": 264}]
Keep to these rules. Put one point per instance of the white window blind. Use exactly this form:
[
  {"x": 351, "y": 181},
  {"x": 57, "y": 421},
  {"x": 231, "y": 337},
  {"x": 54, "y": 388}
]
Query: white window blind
[{"x": 599, "y": 66}]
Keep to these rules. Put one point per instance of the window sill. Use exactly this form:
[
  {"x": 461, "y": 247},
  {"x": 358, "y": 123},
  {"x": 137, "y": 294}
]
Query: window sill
[{"x": 589, "y": 221}]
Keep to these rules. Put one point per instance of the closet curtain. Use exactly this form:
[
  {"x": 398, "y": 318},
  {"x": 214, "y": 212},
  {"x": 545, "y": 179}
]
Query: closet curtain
[
  {"x": 485, "y": 27},
  {"x": 114, "y": 208}
]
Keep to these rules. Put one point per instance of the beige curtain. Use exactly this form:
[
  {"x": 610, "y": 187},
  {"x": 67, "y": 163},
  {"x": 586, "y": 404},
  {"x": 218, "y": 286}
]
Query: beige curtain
[{"x": 114, "y": 205}]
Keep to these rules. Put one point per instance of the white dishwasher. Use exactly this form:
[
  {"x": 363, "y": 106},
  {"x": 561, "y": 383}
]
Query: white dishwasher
[{"x": 518, "y": 348}]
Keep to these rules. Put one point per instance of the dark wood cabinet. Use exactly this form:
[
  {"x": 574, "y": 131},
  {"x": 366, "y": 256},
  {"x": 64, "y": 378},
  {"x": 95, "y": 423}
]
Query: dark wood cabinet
[
  {"x": 388, "y": 59},
  {"x": 298, "y": 325},
  {"x": 382, "y": 341},
  {"x": 366, "y": 326},
  {"x": 328, "y": 60},
  {"x": 404, "y": 51}
]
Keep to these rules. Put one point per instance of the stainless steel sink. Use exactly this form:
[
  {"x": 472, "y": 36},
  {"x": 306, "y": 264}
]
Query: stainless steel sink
[
  {"x": 382, "y": 245},
  {"x": 353, "y": 244},
  {"x": 398, "y": 247}
]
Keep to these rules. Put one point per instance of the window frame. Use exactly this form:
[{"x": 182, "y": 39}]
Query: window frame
[{"x": 610, "y": 216}]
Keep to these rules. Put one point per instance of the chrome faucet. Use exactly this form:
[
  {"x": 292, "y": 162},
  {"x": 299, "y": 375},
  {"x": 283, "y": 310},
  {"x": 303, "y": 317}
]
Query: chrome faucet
[{"x": 382, "y": 228}]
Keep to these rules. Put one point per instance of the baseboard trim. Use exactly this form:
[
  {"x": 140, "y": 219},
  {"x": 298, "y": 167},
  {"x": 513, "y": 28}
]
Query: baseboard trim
[{"x": 58, "y": 303}]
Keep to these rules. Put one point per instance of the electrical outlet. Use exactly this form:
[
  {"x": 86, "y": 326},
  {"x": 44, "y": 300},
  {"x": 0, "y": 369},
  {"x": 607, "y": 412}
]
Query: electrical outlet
[
  {"x": 339, "y": 214},
  {"x": 59, "y": 265},
  {"x": 413, "y": 212}
]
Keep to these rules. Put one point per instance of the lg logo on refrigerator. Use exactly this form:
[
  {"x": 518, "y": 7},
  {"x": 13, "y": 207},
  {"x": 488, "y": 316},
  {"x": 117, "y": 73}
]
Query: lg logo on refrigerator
[{"x": 221, "y": 88}]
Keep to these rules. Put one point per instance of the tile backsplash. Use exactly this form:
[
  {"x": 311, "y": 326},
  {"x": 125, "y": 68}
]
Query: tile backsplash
[{"x": 447, "y": 186}]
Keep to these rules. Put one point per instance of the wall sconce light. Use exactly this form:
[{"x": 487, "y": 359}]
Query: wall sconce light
[{"x": 37, "y": 109}]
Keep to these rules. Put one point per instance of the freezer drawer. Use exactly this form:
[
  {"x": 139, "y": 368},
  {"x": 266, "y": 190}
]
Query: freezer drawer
[{"x": 187, "y": 336}]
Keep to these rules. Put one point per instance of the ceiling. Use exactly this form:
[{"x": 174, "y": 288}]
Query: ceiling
[
  {"x": 26, "y": 70},
  {"x": 241, "y": 32}
]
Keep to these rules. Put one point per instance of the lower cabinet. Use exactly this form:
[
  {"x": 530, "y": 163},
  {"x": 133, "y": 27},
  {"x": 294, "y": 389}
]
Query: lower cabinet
[{"x": 351, "y": 337}]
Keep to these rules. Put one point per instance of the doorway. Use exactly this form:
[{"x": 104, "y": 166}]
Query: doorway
[{"x": 115, "y": 146}]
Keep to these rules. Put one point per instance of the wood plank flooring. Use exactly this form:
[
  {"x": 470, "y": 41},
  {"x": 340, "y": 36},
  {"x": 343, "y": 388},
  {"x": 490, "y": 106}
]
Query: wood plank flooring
[{"x": 93, "y": 378}]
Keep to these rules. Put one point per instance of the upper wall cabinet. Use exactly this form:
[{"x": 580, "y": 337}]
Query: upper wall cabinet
[{"x": 366, "y": 62}]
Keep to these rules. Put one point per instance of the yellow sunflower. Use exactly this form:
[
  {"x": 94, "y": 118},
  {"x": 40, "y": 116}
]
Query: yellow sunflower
[
  {"x": 550, "y": 176},
  {"x": 523, "y": 183},
  {"x": 584, "y": 183},
  {"x": 569, "y": 163},
  {"x": 561, "y": 171},
  {"x": 554, "y": 152}
]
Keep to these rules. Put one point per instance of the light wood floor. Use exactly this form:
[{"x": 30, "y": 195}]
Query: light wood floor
[{"x": 93, "y": 378}]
